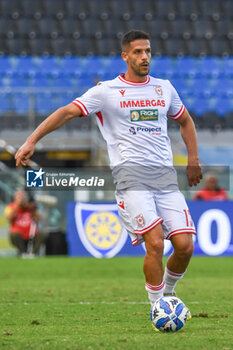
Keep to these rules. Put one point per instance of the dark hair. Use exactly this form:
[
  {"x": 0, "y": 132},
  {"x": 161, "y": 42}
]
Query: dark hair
[{"x": 133, "y": 35}]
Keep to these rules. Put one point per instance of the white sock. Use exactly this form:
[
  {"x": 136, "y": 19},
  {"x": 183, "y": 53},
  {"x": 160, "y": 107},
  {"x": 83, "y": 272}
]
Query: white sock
[
  {"x": 154, "y": 292},
  {"x": 171, "y": 278}
]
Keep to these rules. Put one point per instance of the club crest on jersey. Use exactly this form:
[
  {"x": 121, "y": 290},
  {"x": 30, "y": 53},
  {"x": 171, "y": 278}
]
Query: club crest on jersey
[
  {"x": 158, "y": 90},
  {"x": 140, "y": 220},
  {"x": 99, "y": 229},
  {"x": 122, "y": 92}
]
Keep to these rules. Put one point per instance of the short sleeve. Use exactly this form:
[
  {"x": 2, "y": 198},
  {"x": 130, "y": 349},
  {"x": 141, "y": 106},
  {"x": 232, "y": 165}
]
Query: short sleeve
[
  {"x": 91, "y": 101},
  {"x": 176, "y": 108}
]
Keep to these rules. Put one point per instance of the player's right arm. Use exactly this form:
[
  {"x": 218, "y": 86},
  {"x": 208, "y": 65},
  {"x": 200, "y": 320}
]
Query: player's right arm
[{"x": 53, "y": 122}]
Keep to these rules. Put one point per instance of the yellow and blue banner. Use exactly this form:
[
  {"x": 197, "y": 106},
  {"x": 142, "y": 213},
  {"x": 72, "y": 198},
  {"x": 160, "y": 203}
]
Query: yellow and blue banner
[{"x": 94, "y": 229}]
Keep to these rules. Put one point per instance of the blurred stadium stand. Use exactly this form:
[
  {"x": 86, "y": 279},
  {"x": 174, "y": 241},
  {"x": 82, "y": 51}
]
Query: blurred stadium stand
[{"x": 53, "y": 51}]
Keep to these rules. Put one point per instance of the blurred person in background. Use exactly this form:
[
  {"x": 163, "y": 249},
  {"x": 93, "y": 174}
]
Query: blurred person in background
[
  {"x": 211, "y": 191},
  {"x": 23, "y": 217}
]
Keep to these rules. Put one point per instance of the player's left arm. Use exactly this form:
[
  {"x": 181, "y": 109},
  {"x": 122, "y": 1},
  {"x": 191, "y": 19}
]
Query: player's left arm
[{"x": 188, "y": 133}]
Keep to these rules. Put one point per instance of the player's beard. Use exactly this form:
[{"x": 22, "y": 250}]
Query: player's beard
[{"x": 139, "y": 70}]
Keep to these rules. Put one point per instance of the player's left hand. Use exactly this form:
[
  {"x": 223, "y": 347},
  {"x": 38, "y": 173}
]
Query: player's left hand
[{"x": 194, "y": 174}]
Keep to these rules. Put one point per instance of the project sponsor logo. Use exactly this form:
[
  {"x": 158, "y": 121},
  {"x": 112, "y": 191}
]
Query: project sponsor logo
[
  {"x": 35, "y": 178},
  {"x": 59, "y": 180},
  {"x": 144, "y": 115},
  {"x": 132, "y": 130},
  {"x": 153, "y": 131},
  {"x": 158, "y": 90}
]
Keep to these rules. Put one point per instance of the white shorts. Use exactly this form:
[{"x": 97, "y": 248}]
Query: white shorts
[{"x": 140, "y": 211}]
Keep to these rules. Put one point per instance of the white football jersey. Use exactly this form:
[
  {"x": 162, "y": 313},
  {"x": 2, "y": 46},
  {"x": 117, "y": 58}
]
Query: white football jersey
[{"x": 132, "y": 118}]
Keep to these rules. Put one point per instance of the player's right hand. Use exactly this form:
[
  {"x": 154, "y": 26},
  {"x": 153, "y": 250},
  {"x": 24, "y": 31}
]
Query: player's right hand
[{"x": 24, "y": 153}]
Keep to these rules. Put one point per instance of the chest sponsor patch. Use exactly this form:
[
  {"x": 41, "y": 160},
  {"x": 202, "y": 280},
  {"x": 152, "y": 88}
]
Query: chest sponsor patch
[{"x": 143, "y": 115}]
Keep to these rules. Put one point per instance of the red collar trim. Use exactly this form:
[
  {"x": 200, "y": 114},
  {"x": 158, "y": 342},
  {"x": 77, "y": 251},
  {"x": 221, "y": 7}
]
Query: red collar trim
[{"x": 133, "y": 83}]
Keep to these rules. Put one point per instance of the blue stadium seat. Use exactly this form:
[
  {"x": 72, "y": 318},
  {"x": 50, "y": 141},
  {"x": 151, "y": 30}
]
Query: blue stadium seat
[
  {"x": 212, "y": 103},
  {"x": 63, "y": 99},
  {"x": 227, "y": 66},
  {"x": 40, "y": 81},
  {"x": 18, "y": 81},
  {"x": 5, "y": 65},
  {"x": 6, "y": 102},
  {"x": 210, "y": 66},
  {"x": 117, "y": 65},
  {"x": 93, "y": 65},
  {"x": 84, "y": 81},
  {"x": 44, "y": 103},
  {"x": 62, "y": 81},
  {"x": 223, "y": 106},
  {"x": 201, "y": 87},
  {"x": 162, "y": 67},
  {"x": 108, "y": 75},
  {"x": 4, "y": 81},
  {"x": 71, "y": 65},
  {"x": 224, "y": 86},
  {"x": 179, "y": 84},
  {"x": 201, "y": 105},
  {"x": 50, "y": 65},
  {"x": 187, "y": 66},
  {"x": 21, "y": 103},
  {"x": 189, "y": 102},
  {"x": 25, "y": 65}
]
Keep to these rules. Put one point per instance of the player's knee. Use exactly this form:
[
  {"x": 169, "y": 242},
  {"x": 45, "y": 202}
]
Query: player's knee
[
  {"x": 155, "y": 246},
  {"x": 185, "y": 251}
]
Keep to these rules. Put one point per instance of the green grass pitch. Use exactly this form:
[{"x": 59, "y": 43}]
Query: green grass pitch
[{"x": 84, "y": 304}]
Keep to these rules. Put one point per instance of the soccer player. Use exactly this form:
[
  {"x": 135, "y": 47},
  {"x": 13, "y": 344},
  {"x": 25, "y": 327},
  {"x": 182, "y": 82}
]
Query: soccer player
[{"x": 132, "y": 112}]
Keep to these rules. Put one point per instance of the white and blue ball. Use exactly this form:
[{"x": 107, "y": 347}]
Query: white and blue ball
[{"x": 169, "y": 314}]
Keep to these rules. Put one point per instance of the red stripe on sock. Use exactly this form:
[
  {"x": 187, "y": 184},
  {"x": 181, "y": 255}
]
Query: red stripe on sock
[
  {"x": 155, "y": 288},
  {"x": 174, "y": 273}
]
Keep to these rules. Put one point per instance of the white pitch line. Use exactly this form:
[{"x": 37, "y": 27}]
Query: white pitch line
[{"x": 106, "y": 303}]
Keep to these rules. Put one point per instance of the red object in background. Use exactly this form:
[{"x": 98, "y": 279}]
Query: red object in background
[
  {"x": 22, "y": 221},
  {"x": 211, "y": 195}
]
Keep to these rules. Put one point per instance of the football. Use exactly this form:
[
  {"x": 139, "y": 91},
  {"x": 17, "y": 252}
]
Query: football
[{"x": 169, "y": 314}]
